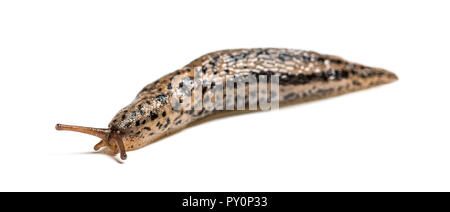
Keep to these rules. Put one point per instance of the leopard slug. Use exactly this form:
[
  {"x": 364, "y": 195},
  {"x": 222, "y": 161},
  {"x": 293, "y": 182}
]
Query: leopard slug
[{"x": 302, "y": 76}]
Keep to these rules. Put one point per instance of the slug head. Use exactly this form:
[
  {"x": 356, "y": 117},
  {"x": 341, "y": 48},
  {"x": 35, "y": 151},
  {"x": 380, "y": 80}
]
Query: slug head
[{"x": 111, "y": 138}]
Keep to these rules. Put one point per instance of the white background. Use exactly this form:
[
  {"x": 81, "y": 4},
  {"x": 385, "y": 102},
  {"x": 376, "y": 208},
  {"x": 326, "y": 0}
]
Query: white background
[{"x": 79, "y": 62}]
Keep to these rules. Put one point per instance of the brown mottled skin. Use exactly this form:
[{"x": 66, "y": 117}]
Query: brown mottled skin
[{"x": 303, "y": 75}]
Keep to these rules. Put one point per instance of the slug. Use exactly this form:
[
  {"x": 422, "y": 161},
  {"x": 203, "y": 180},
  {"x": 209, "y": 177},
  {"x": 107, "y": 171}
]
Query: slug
[{"x": 301, "y": 76}]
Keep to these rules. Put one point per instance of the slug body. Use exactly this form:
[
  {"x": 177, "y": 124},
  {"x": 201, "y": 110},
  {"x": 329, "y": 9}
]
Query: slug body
[{"x": 303, "y": 76}]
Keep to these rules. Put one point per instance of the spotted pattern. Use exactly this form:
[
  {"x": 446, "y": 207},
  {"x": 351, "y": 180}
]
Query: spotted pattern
[{"x": 303, "y": 75}]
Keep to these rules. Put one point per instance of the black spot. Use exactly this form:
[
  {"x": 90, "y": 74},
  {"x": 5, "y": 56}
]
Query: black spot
[
  {"x": 242, "y": 55},
  {"x": 180, "y": 85},
  {"x": 159, "y": 125},
  {"x": 159, "y": 89},
  {"x": 380, "y": 73},
  {"x": 345, "y": 74},
  {"x": 289, "y": 96},
  {"x": 163, "y": 114},
  {"x": 204, "y": 69},
  {"x": 153, "y": 116},
  {"x": 147, "y": 128},
  {"x": 139, "y": 132},
  {"x": 338, "y": 75},
  {"x": 259, "y": 53},
  {"x": 213, "y": 84},
  {"x": 355, "y": 82},
  {"x": 151, "y": 134},
  {"x": 144, "y": 121},
  {"x": 147, "y": 102},
  {"x": 138, "y": 123},
  {"x": 128, "y": 124},
  {"x": 140, "y": 110},
  {"x": 123, "y": 117},
  {"x": 306, "y": 58},
  {"x": 169, "y": 86},
  {"x": 178, "y": 122},
  {"x": 337, "y": 61},
  {"x": 162, "y": 98},
  {"x": 167, "y": 124},
  {"x": 227, "y": 71},
  {"x": 284, "y": 56},
  {"x": 324, "y": 76},
  {"x": 321, "y": 59}
]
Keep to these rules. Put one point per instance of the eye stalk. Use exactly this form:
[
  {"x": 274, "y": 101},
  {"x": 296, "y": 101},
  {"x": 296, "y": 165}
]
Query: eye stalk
[
  {"x": 117, "y": 137},
  {"x": 107, "y": 135}
]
